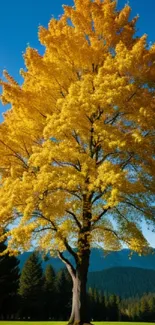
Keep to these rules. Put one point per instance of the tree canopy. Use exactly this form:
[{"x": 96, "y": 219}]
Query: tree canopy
[
  {"x": 77, "y": 146},
  {"x": 80, "y": 132}
]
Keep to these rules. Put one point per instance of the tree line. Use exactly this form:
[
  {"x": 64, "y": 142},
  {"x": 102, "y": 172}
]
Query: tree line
[
  {"x": 43, "y": 295},
  {"x": 139, "y": 308}
]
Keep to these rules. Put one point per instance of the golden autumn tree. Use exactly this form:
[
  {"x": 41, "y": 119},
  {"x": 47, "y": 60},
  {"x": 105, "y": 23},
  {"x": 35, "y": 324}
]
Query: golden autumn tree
[{"x": 77, "y": 156}]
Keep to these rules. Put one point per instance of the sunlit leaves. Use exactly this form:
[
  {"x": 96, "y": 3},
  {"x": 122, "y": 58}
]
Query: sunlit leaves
[{"x": 77, "y": 146}]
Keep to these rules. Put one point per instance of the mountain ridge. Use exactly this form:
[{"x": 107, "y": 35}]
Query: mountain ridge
[{"x": 99, "y": 261}]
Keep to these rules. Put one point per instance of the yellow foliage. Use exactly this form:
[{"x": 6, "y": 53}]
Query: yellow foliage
[{"x": 77, "y": 145}]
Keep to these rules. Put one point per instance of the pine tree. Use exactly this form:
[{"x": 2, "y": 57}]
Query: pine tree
[
  {"x": 91, "y": 303},
  {"x": 31, "y": 288},
  {"x": 63, "y": 293},
  {"x": 9, "y": 281},
  {"x": 49, "y": 292},
  {"x": 144, "y": 309},
  {"x": 100, "y": 307},
  {"x": 113, "y": 308},
  {"x": 151, "y": 305}
]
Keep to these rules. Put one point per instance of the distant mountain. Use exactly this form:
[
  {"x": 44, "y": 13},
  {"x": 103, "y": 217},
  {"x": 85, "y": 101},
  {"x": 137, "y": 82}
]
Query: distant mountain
[
  {"x": 55, "y": 262},
  {"x": 123, "y": 281},
  {"x": 100, "y": 261}
]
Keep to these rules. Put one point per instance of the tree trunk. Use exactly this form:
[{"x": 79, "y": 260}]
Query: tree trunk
[{"x": 79, "y": 313}]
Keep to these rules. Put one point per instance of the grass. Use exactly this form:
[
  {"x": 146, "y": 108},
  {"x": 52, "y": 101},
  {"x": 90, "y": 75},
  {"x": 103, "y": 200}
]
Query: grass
[
  {"x": 65, "y": 323},
  {"x": 31, "y": 323}
]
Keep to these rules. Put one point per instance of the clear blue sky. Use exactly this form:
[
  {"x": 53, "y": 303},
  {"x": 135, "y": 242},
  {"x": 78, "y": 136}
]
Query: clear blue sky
[{"x": 19, "y": 21}]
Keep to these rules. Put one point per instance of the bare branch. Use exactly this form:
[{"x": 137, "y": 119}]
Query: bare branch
[
  {"x": 69, "y": 266},
  {"x": 70, "y": 250}
]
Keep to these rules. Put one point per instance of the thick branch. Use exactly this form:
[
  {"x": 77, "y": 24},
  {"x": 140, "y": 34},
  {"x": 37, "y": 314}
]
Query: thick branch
[
  {"x": 70, "y": 250},
  {"x": 69, "y": 266}
]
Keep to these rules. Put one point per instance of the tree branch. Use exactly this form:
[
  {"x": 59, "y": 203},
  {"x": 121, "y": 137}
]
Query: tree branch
[
  {"x": 70, "y": 250},
  {"x": 68, "y": 247},
  {"x": 15, "y": 154},
  {"x": 106, "y": 156},
  {"x": 77, "y": 139},
  {"x": 100, "y": 216},
  {"x": 65, "y": 164},
  {"x": 132, "y": 96},
  {"x": 75, "y": 218},
  {"x": 135, "y": 206},
  {"x": 69, "y": 266},
  {"x": 97, "y": 197},
  {"x": 44, "y": 229},
  {"x": 121, "y": 215}
]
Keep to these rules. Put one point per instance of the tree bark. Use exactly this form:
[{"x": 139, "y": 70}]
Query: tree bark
[{"x": 79, "y": 313}]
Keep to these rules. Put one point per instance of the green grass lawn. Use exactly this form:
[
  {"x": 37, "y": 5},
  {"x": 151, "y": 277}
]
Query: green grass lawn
[{"x": 64, "y": 323}]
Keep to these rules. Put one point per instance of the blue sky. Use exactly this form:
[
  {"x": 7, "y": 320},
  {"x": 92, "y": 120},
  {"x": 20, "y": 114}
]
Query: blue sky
[{"x": 19, "y": 21}]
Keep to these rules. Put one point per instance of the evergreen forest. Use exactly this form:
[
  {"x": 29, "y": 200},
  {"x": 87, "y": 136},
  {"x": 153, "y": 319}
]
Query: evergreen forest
[{"x": 37, "y": 294}]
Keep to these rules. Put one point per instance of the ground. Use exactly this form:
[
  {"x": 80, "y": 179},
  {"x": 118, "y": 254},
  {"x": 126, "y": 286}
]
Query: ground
[{"x": 64, "y": 323}]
